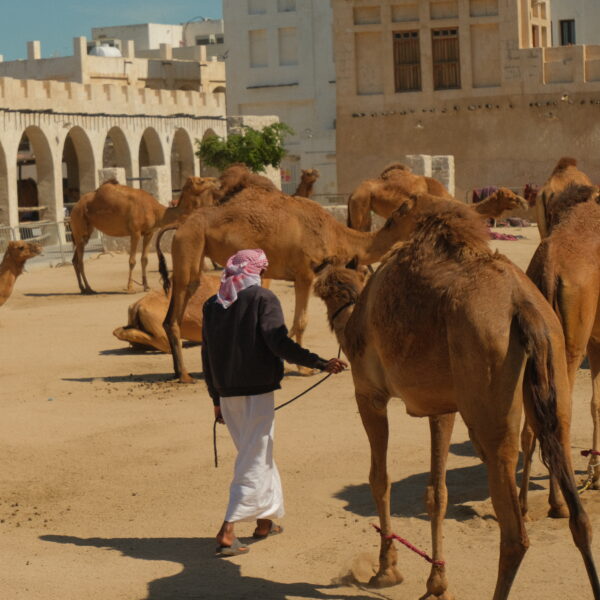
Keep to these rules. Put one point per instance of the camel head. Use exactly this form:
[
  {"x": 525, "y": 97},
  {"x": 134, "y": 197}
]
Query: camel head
[
  {"x": 18, "y": 252},
  {"x": 511, "y": 201},
  {"x": 560, "y": 205},
  {"x": 198, "y": 192},
  {"x": 310, "y": 175}
]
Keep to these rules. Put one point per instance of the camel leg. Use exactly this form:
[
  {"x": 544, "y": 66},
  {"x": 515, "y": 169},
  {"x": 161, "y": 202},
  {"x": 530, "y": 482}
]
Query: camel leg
[
  {"x": 80, "y": 239},
  {"x": 144, "y": 259},
  {"x": 594, "y": 356},
  {"x": 373, "y": 413},
  {"x": 139, "y": 338},
  {"x": 134, "y": 240},
  {"x": 302, "y": 288},
  {"x": 528, "y": 447},
  {"x": 436, "y": 499}
]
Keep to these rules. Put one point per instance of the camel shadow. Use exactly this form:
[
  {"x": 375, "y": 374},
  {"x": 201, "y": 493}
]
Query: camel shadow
[
  {"x": 202, "y": 576},
  {"x": 142, "y": 350},
  {"x": 465, "y": 485},
  {"x": 50, "y": 294},
  {"x": 137, "y": 378}
]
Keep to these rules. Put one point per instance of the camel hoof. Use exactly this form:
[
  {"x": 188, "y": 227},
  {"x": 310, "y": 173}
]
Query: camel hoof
[
  {"x": 558, "y": 512},
  {"x": 595, "y": 485},
  {"x": 526, "y": 517},
  {"x": 88, "y": 292},
  {"x": 388, "y": 578},
  {"x": 306, "y": 371},
  {"x": 446, "y": 595},
  {"x": 186, "y": 379}
]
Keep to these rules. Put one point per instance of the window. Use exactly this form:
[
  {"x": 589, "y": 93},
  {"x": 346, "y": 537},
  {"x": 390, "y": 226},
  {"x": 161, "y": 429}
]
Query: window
[
  {"x": 286, "y": 5},
  {"x": 288, "y": 46},
  {"x": 257, "y": 7},
  {"x": 211, "y": 38},
  {"x": 259, "y": 56},
  {"x": 446, "y": 59},
  {"x": 407, "y": 61},
  {"x": 567, "y": 32}
]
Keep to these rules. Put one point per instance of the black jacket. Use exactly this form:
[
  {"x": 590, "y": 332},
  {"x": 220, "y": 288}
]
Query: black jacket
[{"x": 243, "y": 345}]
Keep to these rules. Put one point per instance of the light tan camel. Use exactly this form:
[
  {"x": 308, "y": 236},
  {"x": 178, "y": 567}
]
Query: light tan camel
[
  {"x": 384, "y": 194},
  {"x": 307, "y": 183},
  {"x": 12, "y": 265},
  {"x": 566, "y": 269},
  {"x": 145, "y": 317},
  {"x": 565, "y": 172},
  {"x": 449, "y": 326},
  {"x": 295, "y": 233},
  {"x": 500, "y": 201},
  {"x": 118, "y": 210}
]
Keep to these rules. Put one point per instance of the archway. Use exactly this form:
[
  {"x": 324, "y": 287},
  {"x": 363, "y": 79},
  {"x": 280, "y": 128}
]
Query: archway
[
  {"x": 220, "y": 95},
  {"x": 78, "y": 166},
  {"x": 151, "y": 150},
  {"x": 205, "y": 170},
  {"x": 182, "y": 159},
  {"x": 4, "y": 204},
  {"x": 35, "y": 177},
  {"x": 116, "y": 152}
]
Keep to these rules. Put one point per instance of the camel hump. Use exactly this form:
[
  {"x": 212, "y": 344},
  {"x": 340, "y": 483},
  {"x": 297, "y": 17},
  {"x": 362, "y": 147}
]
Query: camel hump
[
  {"x": 394, "y": 167},
  {"x": 563, "y": 163},
  {"x": 111, "y": 181}
]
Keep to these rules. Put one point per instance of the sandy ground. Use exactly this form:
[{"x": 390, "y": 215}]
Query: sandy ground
[{"x": 108, "y": 489}]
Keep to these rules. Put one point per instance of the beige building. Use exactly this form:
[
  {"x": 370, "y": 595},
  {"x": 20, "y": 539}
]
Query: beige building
[{"x": 477, "y": 79}]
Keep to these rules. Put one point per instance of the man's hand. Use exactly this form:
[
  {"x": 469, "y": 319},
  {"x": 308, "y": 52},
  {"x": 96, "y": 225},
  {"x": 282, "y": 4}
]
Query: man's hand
[
  {"x": 218, "y": 415},
  {"x": 335, "y": 365}
]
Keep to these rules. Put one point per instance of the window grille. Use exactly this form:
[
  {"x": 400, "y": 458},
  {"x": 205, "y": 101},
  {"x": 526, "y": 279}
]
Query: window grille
[
  {"x": 446, "y": 59},
  {"x": 407, "y": 61}
]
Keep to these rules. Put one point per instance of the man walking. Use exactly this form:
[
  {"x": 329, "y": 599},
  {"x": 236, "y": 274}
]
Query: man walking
[{"x": 244, "y": 339}]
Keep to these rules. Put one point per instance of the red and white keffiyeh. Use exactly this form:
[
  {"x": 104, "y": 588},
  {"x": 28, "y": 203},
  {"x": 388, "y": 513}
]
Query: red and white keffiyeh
[{"x": 242, "y": 271}]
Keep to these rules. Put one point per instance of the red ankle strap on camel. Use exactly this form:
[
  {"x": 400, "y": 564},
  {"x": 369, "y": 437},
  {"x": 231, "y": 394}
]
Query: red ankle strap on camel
[{"x": 393, "y": 536}]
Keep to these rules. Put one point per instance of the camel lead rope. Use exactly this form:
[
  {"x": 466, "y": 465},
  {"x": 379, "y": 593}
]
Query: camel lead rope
[
  {"x": 587, "y": 483},
  {"x": 393, "y": 536}
]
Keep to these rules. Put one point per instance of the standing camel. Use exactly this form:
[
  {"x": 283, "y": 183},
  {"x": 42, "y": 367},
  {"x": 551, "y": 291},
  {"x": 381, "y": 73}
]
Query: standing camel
[
  {"x": 566, "y": 269},
  {"x": 13, "y": 263},
  {"x": 119, "y": 210},
  {"x": 565, "y": 172},
  {"x": 307, "y": 183},
  {"x": 295, "y": 233},
  {"x": 449, "y": 326},
  {"x": 499, "y": 202}
]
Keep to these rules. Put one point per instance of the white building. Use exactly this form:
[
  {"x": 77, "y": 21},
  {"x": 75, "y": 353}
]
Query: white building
[
  {"x": 280, "y": 62},
  {"x": 575, "y": 22}
]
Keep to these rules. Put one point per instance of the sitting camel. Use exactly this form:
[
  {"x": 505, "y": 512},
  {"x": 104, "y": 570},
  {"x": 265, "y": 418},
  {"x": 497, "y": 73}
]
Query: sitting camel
[
  {"x": 565, "y": 172},
  {"x": 119, "y": 210},
  {"x": 307, "y": 183},
  {"x": 13, "y": 263},
  {"x": 145, "y": 322},
  {"x": 448, "y": 326},
  {"x": 295, "y": 233},
  {"x": 500, "y": 201},
  {"x": 566, "y": 269},
  {"x": 384, "y": 194}
]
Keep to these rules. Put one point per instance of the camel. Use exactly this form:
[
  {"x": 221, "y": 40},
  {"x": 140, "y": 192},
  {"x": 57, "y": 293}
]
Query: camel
[
  {"x": 565, "y": 267},
  {"x": 119, "y": 210},
  {"x": 295, "y": 233},
  {"x": 499, "y": 202},
  {"x": 238, "y": 176},
  {"x": 565, "y": 172},
  {"x": 384, "y": 194},
  {"x": 449, "y": 326},
  {"x": 13, "y": 263},
  {"x": 145, "y": 323},
  {"x": 307, "y": 183}
]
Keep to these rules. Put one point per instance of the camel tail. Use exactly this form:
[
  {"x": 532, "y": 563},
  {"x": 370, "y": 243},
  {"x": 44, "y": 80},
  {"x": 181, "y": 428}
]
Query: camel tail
[
  {"x": 349, "y": 216},
  {"x": 541, "y": 402},
  {"x": 162, "y": 263}
]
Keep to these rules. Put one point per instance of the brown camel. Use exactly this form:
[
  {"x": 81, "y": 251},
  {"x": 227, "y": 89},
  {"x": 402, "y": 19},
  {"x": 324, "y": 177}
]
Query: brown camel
[
  {"x": 307, "y": 183},
  {"x": 565, "y": 172},
  {"x": 566, "y": 268},
  {"x": 12, "y": 265},
  {"x": 384, "y": 194},
  {"x": 118, "y": 210},
  {"x": 449, "y": 326},
  {"x": 145, "y": 322},
  {"x": 295, "y": 233},
  {"x": 238, "y": 176},
  {"x": 499, "y": 202}
]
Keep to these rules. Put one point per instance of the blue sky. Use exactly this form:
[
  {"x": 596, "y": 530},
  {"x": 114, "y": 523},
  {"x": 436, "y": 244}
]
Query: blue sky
[{"x": 56, "y": 22}]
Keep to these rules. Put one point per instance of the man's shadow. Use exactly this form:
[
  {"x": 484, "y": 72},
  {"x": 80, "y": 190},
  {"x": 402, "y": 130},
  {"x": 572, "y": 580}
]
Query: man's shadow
[
  {"x": 465, "y": 485},
  {"x": 203, "y": 575}
]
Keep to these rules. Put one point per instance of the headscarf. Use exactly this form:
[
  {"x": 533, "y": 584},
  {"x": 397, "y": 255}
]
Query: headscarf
[{"x": 242, "y": 271}]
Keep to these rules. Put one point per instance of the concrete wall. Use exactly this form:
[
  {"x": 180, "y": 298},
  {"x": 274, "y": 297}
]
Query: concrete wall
[
  {"x": 296, "y": 81},
  {"x": 586, "y": 14}
]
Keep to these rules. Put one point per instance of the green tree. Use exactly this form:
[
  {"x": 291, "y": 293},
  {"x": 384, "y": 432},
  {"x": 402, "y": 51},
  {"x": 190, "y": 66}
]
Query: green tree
[{"x": 258, "y": 149}]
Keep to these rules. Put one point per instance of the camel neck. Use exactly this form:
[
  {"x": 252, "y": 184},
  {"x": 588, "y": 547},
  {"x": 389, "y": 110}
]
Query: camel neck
[
  {"x": 361, "y": 244},
  {"x": 338, "y": 319},
  {"x": 11, "y": 267}
]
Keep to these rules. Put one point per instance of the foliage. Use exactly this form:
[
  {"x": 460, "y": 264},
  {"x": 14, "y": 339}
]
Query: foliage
[{"x": 255, "y": 148}]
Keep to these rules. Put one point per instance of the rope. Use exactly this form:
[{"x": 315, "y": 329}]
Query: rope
[
  {"x": 587, "y": 483},
  {"x": 393, "y": 536},
  {"x": 591, "y": 452}
]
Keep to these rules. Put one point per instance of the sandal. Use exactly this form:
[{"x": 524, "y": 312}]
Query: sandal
[
  {"x": 234, "y": 550},
  {"x": 275, "y": 530}
]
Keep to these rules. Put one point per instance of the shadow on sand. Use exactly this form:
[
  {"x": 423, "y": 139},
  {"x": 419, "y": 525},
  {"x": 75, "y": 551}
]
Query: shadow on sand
[
  {"x": 137, "y": 378},
  {"x": 203, "y": 575},
  {"x": 50, "y": 294}
]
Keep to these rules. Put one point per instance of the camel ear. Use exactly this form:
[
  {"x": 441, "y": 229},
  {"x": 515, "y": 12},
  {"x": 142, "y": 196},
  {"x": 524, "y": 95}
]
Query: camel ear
[
  {"x": 320, "y": 267},
  {"x": 353, "y": 264}
]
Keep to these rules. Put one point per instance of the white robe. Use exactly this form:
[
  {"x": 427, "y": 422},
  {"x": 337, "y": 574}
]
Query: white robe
[{"x": 255, "y": 491}]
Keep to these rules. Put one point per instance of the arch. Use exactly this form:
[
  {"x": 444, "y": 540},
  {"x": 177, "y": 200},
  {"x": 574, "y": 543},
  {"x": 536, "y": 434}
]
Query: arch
[
  {"x": 151, "y": 150},
  {"x": 4, "y": 204},
  {"x": 78, "y": 165},
  {"x": 116, "y": 152},
  {"x": 182, "y": 159},
  {"x": 220, "y": 95},
  {"x": 205, "y": 170},
  {"x": 35, "y": 175}
]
